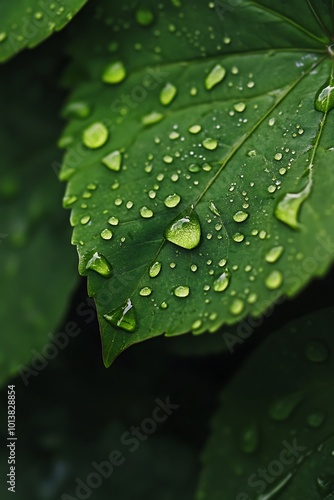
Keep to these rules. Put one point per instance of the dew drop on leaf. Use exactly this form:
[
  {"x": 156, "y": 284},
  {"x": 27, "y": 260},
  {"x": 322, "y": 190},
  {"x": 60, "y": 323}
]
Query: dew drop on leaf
[
  {"x": 151, "y": 118},
  {"x": 145, "y": 291},
  {"x": 100, "y": 264},
  {"x": 216, "y": 75},
  {"x": 210, "y": 143},
  {"x": 181, "y": 291},
  {"x": 288, "y": 208},
  {"x": 274, "y": 254},
  {"x": 274, "y": 280},
  {"x": 250, "y": 439},
  {"x": 281, "y": 409},
  {"x": 195, "y": 129},
  {"x": 146, "y": 213},
  {"x": 237, "y": 307},
  {"x": 324, "y": 99},
  {"x": 106, "y": 234},
  {"x": 185, "y": 230},
  {"x": 239, "y": 107},
  {"x": 316, "y": 351},
  {"x": 167, "y": 94},
  {"x": 214, "y": 209},
  {"x": 155, "y": 269},
  {"x": 114, "y": 73},
  {"x": 316, "y": 419},
  {"x": 84, "y": 220},
  {"x": 113, "y": 161},
  {"x": 172, "y": 200},
  {"x": 240, "y": 216},
  {"x": 222, "y": 282},
  {"x": 123, "y": 317},
  {"x": 95, "y": 136},
  {"x": 77, "y": 109},
  {"x": 144, "y": 16},
  {"x": 113, "y": 221}
]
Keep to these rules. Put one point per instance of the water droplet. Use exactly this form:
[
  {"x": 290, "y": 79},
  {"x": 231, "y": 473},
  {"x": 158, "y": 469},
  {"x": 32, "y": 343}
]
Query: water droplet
[
  {"x": 238, "y": 237},
  {"x": 240, "y": 216},
  {"x": 146, "y": 291},
  {"x": 113, "y": 161},
  {"x": 155, "y": 269},
  {"x": 114, "y": 73},
  {"x": 100, "y": 264},
  {"x": 250, "y": 438},
  {"x": 69, "y": 200},
  {"x": 181, "y": 291},
  {"x": 237, "y": 307},
  {"x": 168, "y": 159},
  {"x": 123, "y": 317},
  {"x": 3, "y": 36},
  {"x": 167, "y": 94},
  {"x": 172, "y": 200},
  {"x": 239, "y": 107},
  {"x": 84, "y": 220},
  {"x": 193, "y": 267},
  {"x": 274, "y": 280},
  {"x": 194, "y": 129},
  {"x": 184, "y": 230},
  {"x": 193, "y": 168},
  {"x": 196, "y": 324},
  {"x": 146, "y": 213},
  {"x": 281, "y": 409},
  {"x": 151, "y": 118},
  {"x": 95, "y": 136},
  {"x": 163, "y": 305},
  {"x": 271, "y": 122},
  {"x": 222, "y": 262},
  {"x": 113, "y": 221},
  {"x": 210, "y": 143},
  {"x": 106, "y": 234},
  {"x": 222, "y": 282},
  {"x": 324, "y": 100},
  {"x": 278, "y": 156},
  {"x": 288, "y": 208},
  {"x": 315, "y": 419},
  {"x": 216, "y": 75},
  {"x": 76, "y": 109},
  {"x": 214, "y": 209},
  {"x": 144, "y": 16},
  {"x": 274, "y": 254},
  {"x": 316, "y": 351}
]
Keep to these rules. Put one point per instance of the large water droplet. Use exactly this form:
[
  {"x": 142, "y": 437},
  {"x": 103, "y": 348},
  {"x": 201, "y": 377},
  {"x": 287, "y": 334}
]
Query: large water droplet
[
  {"x": 123, "y": 317},
  {"x": 146, "y": 213},
  {"x": 95, "y": 136},
  {"x": 167, "y": 94},
  {"x": 281, "y": 409},
  {"x": 184, "y": 230},
  {"x": 274, "y": 280},
  {"x": 216, "y": 75},
  {"x": 155, "y": 269},
  {"x": 100, "y": 264},
  {"x": 182, "y": 291},
  {"x": 316, "y": 351},
  {"x": 146, "y": 291},
  {"x": 106, "y": 234},
  {"x": 222, "y": 282},
  {"x": 114, "y": 73},
  {"x": 274, "y": 254},
  {"x": 210, "y": 143},
  {"x": 113, "y": 160},
  {"x": 288, "y": 208},
  {"x": 240, "y": 216},
  {"x": 172, "y": 200},
  {"x": 324, "y": 100}
]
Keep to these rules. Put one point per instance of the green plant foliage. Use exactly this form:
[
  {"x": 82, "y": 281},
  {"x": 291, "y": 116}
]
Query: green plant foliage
[
  {"x": 37, "y": 273},
  {"x": 26, "y": 23},
  {"x": 199, "y": 167},
  {"x": 287, "y": 403}
]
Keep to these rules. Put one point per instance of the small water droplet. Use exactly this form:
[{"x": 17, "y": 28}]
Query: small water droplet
[
  {"x": 69, "y": 200},
  {"x": 210, "y": 143},
  {"x": 106, "y": 234},
  {"x": 271, "y": 122},
  {"x": 114, "y": 73},
  {"x": 324, "y": 99},
  {"x": 113, "y": 161},
  {"x": 95, "y": 136},
  {"x": 193, "y": 168},
  {"x": 123, "y": 317},
  {"x": 221, "y": 283},
  {"x": 195, "y": 129},
  {"x": 316, "y": 351},
  {"x": 3, "y": 36},
  {"x": 146, "y": 213},
  {"x": 278, "y": 156},
  {"x": 113, "y": 221},
  {"x": 184, "y": 230},
  {"x": 238, "y": 237},
  {"x": 155, "y": 269},
  {"x": 315, "y": 419},
  {"x": 172, "y": 200},
  {"x": 196, "y": 324},
  {"x": 151, "y": 118},
  {"x": 84, "y": 220},
  {"x": 274, "y": 280},
  {"x": 144, "y": 16},
  {"x": 250, "y": 438},
  {"x": 163, "y": 305},
  {"x": 240, "y": 216},
  {"x": 182, "y": 291},
  {"x": 274, "y": 254},
  {"x": 239, "y": 107},
  {"x": 167, "y": 94},
  {"x": 145, "y": 291},
  {"x": 237, "y": 307},
  {"x": 193, "y": 267},
  {"x": 216, "y": 75},
  {"x": 281, "y": 409},
  {"x": 100, "y": 264}
]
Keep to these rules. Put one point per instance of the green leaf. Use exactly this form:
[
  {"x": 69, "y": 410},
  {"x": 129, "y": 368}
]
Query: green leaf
[
  {"x": 26, "y": 23},
  {"x": 37, "y": 272},
  {"x": 188, "y": 128},
  {"x": 282, "y": 397}
]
